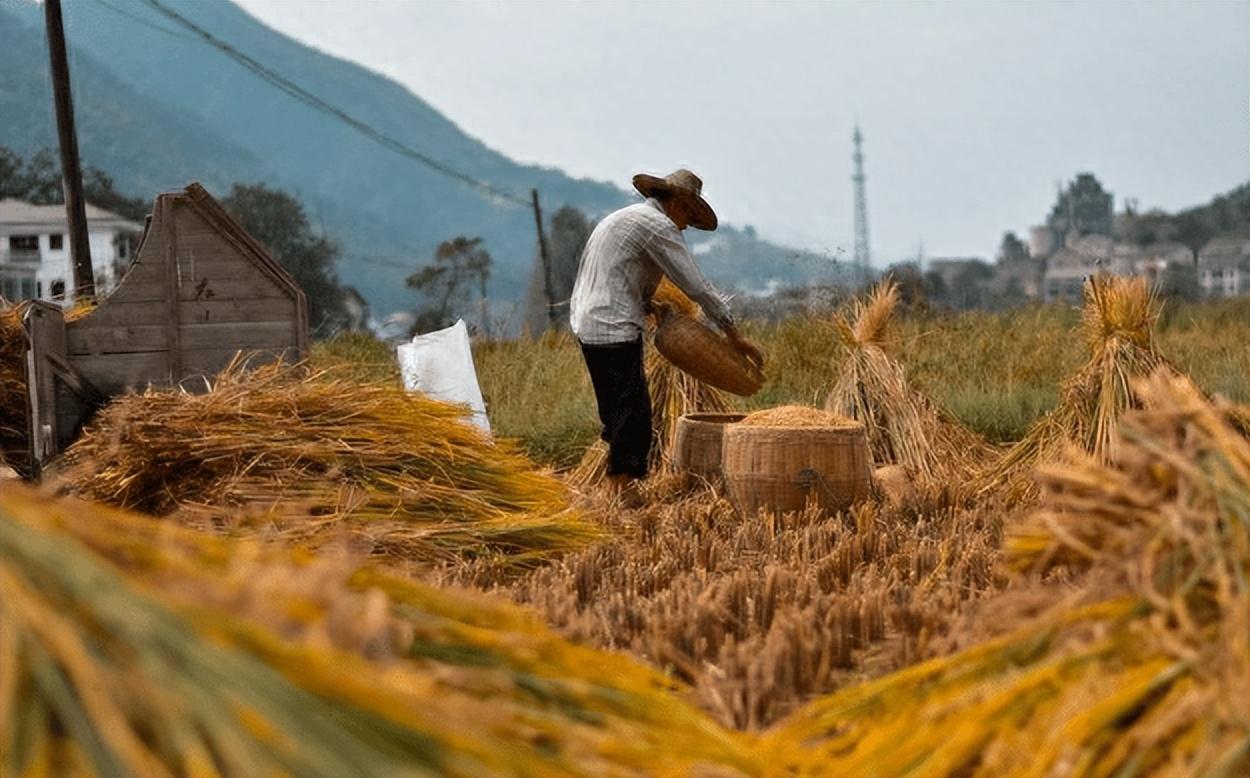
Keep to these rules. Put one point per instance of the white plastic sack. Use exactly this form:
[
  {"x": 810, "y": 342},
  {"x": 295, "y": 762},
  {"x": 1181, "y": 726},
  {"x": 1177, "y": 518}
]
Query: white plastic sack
[{"x": 440, "y": 364}]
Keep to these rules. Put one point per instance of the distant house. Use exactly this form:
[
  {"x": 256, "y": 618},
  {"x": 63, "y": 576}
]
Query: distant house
[
  {"x": 1224, "y": 267},
  {"x": 34, "y": 249},
  {"x": 1066, "y": 271},
  {"x": 1151, "y": 261}
]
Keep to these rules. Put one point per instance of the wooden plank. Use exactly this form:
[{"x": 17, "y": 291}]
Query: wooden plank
[
  {"x": 173, "y": 336},
  {"x": 244, "y": 336},
  {"x": 215, "y": 311},
  {"x": 113, "y": 374},
  {"x": 87, "y": 337},
  {"x": 144, "y": 279},
  {"x": 225, "y": 288},
  {"x": 232, "y": 310}
]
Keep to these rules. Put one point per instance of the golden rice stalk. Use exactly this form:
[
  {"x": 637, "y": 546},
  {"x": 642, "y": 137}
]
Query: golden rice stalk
[
  {"x": 673, "y": 394},
  {"x": 1152, "y": 677},
  {"x": 1118, "y": 323},
  {"x": 14, "y": 437},
  {"x": 903, "y": 426},
  {"x": 312, "y": 457},
  {"x": 760, "y": 616},
  {"x": 149, "y": 649}
]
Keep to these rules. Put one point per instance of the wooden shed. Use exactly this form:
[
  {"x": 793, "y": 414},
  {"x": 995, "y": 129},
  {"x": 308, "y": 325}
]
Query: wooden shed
[{"x": 199, "y": 291}]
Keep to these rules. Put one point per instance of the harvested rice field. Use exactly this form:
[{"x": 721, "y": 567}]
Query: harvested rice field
[{"x": 305, "y": 570}]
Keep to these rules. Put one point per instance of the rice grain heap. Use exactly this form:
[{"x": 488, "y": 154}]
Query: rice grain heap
[
  {"x": 903, "y": 425},
  {"x": 131, "y": 646},
  {"x": 1144, "y": 670},
  {"x": 312, "y": 457},
  {"x": 673, "y": 394},
  {"x": 796, "y": 416},
  {"x": 1118, "y": 322}
]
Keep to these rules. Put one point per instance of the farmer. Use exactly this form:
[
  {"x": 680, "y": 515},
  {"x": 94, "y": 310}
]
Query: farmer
[{"x": 624, "y": 259}]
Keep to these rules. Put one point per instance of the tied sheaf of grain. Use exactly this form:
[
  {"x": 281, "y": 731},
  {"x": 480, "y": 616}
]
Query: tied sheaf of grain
[
  {"x": 760, "y": 615},
  {"x": 1118, "y": 320},
  {"x": 1142, "y": 669},
  {"x": 903, "y": 426},
  {"x": 132, "y": 646},
  {"x": 314, "y": 457},
  {"x": 673, "y": 395}
]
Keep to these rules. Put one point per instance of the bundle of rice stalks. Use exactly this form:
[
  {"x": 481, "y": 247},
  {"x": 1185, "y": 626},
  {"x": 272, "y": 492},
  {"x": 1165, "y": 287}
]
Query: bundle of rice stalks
[
  {"x": 14, "y": 442},
  {"x": 1118, "y": 322},
  {"x": 135, "y": 647},
  {"x": 313, "y": 456},
  {"x": 673, "y": 394},
  {"x": 1145, "y": 672},
  {"x": 903, "y": 425}
]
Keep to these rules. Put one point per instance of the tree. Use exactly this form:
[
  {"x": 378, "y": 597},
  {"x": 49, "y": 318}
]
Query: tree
[
  {"x": 10, "y": 173},
  {"x": 569, "y": 231},
  {"x": 1012, "y": 249},
  {"x": 277, "y": 220},
  {"x": 1084, "y": 207},
  {"x": 445, "y": 282},
  {"x": 911, "y": 284}
]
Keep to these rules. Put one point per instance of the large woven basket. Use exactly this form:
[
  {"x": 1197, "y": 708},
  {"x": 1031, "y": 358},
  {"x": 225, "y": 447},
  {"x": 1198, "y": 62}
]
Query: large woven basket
[
  {"x": 697, "y": 350},
  {"x": 782, "y": 469},
  {"x": 699, "y": 443}
]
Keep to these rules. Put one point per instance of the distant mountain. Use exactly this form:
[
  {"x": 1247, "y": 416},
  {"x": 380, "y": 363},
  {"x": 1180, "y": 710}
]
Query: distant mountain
[{"x": 157, "y": 107}]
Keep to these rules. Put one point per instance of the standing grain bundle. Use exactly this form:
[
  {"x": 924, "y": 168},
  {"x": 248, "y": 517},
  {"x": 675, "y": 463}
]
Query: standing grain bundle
[
  {"x": 313, "y": 456},
  {"x": 135, "y": 647},
  {"x": 1144, "y": 671},
  {"x": 903, "y": 425},
  {"x": 1118, "y": 322},
  {"x": 673, "y": 394}
]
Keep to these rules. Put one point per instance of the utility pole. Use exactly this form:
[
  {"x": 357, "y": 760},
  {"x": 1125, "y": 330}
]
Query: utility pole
[
  {"x": 71, "y": 174},
  {"x": 862, "y": 254},
  {"x": 546, "y": 260}
]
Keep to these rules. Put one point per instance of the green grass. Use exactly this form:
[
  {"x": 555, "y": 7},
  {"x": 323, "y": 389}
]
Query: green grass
[{"x": 996, "y": 372}]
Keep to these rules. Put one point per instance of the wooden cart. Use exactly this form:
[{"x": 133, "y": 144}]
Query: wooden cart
[{"x": 199, "y": 291}]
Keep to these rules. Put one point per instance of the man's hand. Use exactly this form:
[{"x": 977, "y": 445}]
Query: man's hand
[{"x": 746, "y": 347}]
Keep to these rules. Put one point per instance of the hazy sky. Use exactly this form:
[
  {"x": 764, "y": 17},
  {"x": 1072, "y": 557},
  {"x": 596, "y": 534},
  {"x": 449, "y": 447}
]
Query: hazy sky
[{"x": 971, "y": 112}]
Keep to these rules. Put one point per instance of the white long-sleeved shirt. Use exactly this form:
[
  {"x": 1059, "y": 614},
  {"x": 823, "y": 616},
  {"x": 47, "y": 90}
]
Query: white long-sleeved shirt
[{"x": 624, "y": 259}]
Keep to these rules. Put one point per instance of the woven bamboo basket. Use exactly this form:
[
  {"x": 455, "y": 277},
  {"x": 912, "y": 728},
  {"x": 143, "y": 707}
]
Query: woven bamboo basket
[
  {"x": 697, "y": 350},
  {"x": 699, "y": 443},
  {"x": 781, "y": 469}
]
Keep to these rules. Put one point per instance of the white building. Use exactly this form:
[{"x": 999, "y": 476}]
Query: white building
[
  {"x": 1224, "y": 267},
  {"x": 35, "y": 256}
]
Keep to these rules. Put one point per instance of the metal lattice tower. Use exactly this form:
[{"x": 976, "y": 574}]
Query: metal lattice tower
[{"x": 862, "y": 253}]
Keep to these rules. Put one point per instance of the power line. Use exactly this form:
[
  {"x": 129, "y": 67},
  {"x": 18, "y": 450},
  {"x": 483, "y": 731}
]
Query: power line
[
  {"x": 295, "y": 90},
  {"x": 145, "y": 22}
]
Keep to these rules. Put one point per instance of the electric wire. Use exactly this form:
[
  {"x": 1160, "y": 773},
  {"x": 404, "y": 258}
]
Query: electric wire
[{"x": 296, "y": 91}]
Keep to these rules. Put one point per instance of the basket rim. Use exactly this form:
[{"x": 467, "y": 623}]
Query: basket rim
[
  {"x": 806, "y": 428},
  {"x": 707, "y": 417}
]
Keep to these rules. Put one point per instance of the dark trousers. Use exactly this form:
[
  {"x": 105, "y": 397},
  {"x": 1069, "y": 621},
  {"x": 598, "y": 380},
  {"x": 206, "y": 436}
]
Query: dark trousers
[{"x": 624, "y": 404}]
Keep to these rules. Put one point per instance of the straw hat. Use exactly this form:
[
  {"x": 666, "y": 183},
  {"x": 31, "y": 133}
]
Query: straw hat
[{"x": 685, "y": 185}]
